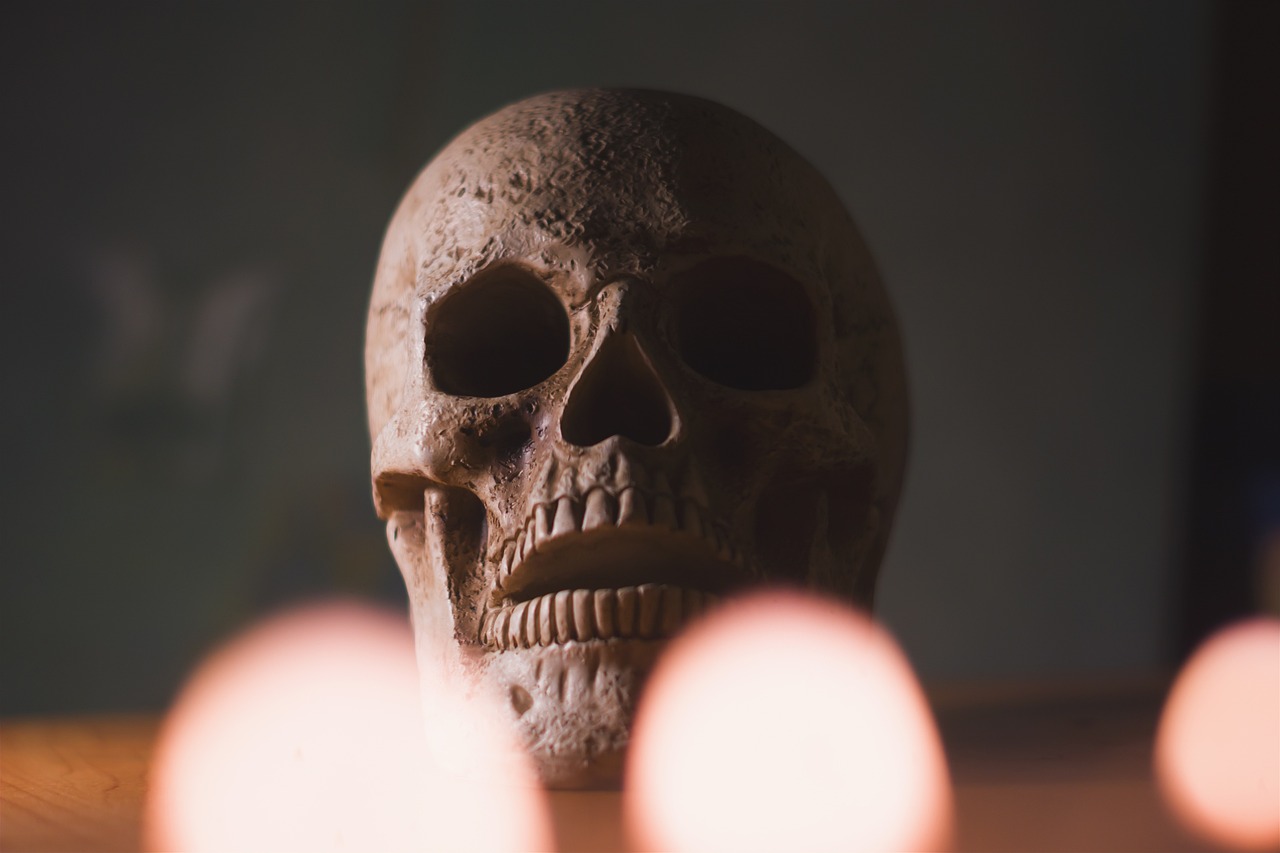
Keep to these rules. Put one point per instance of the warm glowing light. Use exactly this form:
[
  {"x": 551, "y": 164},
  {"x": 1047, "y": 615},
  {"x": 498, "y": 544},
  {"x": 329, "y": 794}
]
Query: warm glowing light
[
  {"x": 785, "y": 722},
  {"x": 1218, "y": 746},
  {"x": 306, "y": 734}
]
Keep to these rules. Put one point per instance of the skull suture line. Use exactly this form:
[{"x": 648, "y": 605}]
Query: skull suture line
[{"x": 626, "y": 353}]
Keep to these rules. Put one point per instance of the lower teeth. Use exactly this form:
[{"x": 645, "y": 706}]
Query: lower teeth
[{"x": 649, "y": 611}]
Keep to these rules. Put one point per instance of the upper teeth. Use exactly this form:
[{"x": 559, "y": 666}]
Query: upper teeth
[{"x": 631, "y": 506}]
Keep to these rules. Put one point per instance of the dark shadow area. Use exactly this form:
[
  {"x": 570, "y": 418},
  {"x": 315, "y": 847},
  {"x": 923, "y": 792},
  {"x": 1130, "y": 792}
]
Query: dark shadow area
[
  {"x": 1233, "y": 513},
  {"x": 503, "y": 332}
]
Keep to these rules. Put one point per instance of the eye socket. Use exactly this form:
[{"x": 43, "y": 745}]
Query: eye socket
[
  {"x": 745, "y": 325},
  {"x": 499, "y": 333}
]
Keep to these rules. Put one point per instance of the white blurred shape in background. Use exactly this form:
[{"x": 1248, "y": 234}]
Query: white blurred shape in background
[
  {"x": 306, "y": 733},
  {"x": 786, "y": 722},
  {"x": 1217, "y": 756}
]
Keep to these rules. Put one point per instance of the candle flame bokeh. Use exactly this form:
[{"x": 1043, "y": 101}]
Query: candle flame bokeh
[
  {"x": 786, "y": 722},
  {"x": 1217, "y": 757},
  {"x": 306, "y": 733}
]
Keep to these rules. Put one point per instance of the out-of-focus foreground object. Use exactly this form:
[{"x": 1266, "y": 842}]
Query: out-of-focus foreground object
[
  {"x": 786, "y": 722},
  {"x": 306, "y": 734},
  {"x": 1058, "y": 768},
  {"x": 1218, "y": 748}
]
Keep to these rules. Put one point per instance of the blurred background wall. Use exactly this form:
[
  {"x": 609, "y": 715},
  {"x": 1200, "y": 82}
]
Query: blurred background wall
[{"x": 194, "y": 198}]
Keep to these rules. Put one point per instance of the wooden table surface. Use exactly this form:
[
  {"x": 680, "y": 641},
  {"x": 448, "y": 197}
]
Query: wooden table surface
[{"x": 1047, "y": 768}]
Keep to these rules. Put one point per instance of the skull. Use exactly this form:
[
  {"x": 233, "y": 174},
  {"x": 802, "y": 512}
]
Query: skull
[{"x": 627, "y": 353}]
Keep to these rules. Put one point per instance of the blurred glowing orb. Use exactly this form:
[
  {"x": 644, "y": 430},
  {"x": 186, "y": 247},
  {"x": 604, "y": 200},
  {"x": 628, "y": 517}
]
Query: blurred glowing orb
[
  {"x": 1218, "y": 746},
  {"x": 306, "y": 734},
  {"x": 785, "y": 722}
]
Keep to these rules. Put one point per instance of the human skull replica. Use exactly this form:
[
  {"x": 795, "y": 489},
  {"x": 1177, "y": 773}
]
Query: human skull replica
[{"x": 627, "y": 353}]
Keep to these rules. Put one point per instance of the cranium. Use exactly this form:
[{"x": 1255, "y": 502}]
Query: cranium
[{"x": 626, "y": 353}]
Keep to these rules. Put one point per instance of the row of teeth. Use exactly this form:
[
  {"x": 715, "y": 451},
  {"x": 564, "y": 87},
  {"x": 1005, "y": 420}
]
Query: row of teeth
[
  {"x": 631, "y": 507},
  {"x": 649, "y": 611},
  {"x": 619, "y": 472}
]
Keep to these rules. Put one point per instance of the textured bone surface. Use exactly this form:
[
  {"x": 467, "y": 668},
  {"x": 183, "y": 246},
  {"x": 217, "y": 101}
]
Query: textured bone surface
[{"x": 627, "y": 353}]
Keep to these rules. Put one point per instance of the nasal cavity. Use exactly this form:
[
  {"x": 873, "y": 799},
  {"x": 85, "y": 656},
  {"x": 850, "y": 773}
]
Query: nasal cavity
[{"x": 617, "y": 394}]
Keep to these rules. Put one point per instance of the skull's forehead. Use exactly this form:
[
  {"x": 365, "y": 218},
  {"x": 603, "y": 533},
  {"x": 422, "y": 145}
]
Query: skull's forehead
[{"x": 619, "y": 181}]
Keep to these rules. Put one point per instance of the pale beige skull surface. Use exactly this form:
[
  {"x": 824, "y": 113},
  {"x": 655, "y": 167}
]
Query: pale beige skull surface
[{"x": 626, "y": 353}]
